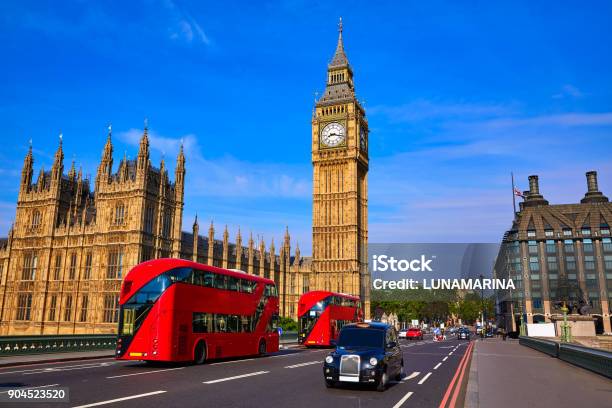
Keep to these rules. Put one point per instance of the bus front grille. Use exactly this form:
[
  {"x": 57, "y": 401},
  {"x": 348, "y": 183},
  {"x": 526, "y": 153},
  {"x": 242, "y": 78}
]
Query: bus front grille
[{"x": 349, "y": 365}]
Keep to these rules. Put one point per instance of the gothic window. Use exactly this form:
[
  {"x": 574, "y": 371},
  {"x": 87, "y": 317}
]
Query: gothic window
[
  {"x": 88, "y": 262},
  {"x": 73, "y": 266},
  {"x": 84, "y": 302},
  {"x": 111, "y": 311},
  {"x": 68, "y": 309},
  {"x": 166, "y": 224},
  {"x": 30, "y": 264},
  {"x": 119, "y": 214},
  {"x": 57, "y": 267},
  {"x": 36, "y": 219},
  {"x": 305, "y": 284},
  {"x": 115, "y": 264},
  {"x": 24, "y": 306},
  {"x": 52, "y": 308},
  {"x": 149, "y": 218}
]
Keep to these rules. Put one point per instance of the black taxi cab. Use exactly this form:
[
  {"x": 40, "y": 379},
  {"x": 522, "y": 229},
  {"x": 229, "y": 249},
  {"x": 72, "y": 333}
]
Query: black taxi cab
[{"x": 367, "y": 353}]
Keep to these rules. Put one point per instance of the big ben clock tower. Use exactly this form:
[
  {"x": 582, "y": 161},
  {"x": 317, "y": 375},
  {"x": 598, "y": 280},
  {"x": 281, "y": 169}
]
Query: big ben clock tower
[{"x": 340, "y": 187}]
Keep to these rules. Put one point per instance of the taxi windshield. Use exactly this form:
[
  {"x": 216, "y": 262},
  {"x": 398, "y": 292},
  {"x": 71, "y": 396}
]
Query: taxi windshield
[{"x": 361, "y": 338}]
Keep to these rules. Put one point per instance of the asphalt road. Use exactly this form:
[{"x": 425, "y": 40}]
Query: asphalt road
[{"x": 290, "y": 377}]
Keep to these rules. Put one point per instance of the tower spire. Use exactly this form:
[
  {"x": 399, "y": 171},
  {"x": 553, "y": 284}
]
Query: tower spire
[{"x": 339, "y": 58}]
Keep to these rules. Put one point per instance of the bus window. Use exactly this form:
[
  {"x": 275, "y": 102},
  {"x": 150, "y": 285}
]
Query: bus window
[
  {"x": 221, "y": 282},
  {"x": 181, "y": 275},
  {"x": 271, "y": 291},
  {"x": 248, "y": 286},
  {"x": 128, "y": 322},
  {"x": 246, "y": 324},
  {"x": 220, "y": 323},
  {"x": 209, "y": 279},
  {"x": 233, "y": 283},
  {"x": 233, "y": 323},
  {"x": 202, "y": 323}
]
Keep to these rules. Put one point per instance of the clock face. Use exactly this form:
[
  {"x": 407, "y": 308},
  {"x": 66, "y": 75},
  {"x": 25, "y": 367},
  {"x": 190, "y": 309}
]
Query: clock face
[
  {"x": 362, "y": 138},
  {"x": 333, "y": 135}
]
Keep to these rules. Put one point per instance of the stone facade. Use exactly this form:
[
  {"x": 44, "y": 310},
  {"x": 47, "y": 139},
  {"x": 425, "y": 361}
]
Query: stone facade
[
  {"x": 555, "y": 254},
  {"x": 70, "y": 246}
]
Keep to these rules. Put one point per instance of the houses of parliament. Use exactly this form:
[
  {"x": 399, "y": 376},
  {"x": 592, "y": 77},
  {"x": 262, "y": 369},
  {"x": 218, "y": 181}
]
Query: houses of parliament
[{"x": 73, "y": 239}]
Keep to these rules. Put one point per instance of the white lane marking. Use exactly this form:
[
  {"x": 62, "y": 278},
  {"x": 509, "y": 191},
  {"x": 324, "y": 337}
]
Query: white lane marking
[
  {"x": 404, "y": 398},
  {"x": 146, "y": 372},
  {"x": 445, "y": 358},
  {"x": 286, "y": 355},
  {"x": 450, "y": 354},
  {"x": 304, "y": 364},
  {"x": 51, "y": 369},
  {"x": 31, "y": 388},
  {"x": 232, "y": 361},
  {"x": 411, "y": 376},
  {"x": 437, "y": 365},
  {"x": 424, "y": 378},
  {"x": 235, "y": 377},
  {"x": 95, "y": 404},
  {"x": 446, "y": 347}
]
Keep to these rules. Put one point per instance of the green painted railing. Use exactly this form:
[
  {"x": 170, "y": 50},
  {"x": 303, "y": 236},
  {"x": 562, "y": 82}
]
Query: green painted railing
[
  {"x": 599, "y": 361},
  {"x": 596, "y": 360},
  {"x": 15, "y": 345},
  {"x": 545, "y": 346}
]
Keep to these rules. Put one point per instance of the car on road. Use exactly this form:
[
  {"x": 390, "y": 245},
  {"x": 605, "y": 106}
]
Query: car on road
[
  {"x": 402, "y": 333},
  {"x": 414, "y": 333},
  {"x": 366, "y": 353},
  {"x": 463, "y": 334}
]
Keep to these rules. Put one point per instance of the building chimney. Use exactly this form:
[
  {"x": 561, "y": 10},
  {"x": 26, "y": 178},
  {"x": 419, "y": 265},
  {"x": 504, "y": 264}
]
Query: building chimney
[
  {"x": 593, "y": 195},
  {"x": 534, "y": 186},
  {"x": 533, "y": 197}
]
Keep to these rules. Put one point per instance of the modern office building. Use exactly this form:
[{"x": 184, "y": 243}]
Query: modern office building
[{"x": 555, "y": 254}]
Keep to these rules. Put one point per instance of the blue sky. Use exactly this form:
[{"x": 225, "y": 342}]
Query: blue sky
[{"x": 458, "y": 94}]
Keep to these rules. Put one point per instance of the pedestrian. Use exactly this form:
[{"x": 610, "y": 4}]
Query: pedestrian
[{"x": 504, "y": 334}]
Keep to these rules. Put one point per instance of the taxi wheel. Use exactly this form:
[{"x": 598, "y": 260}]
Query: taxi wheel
[
  {"x": 330, "y": 384},
  {"x": 382, "y": 383},
  {"x": 399, "y": 375}
]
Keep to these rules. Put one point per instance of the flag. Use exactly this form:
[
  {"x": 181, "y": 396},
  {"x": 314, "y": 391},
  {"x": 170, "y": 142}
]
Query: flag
[{"x": 518, "y": 192}]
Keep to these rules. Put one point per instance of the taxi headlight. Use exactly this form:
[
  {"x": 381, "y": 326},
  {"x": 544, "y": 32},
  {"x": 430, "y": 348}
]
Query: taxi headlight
[
  {"x": 373, "y": 361},
  {"x": 329, "y": 359}
]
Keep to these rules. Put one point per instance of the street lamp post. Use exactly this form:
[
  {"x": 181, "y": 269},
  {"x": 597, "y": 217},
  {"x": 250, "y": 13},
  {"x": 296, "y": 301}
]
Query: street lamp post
[{"x": 566, "y": 333}]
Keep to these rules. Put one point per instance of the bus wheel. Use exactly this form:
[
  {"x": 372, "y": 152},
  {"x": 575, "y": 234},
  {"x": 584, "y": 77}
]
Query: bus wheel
[
  {"x": 262, "y": 348},
  {"x": 200, "y": 353}
]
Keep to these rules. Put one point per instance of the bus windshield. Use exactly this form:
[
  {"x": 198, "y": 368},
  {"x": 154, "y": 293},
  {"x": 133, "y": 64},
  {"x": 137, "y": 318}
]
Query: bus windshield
[{"x": 137, "y": 307}]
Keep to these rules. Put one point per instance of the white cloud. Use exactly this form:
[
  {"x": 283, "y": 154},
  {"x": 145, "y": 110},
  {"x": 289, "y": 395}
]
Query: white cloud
[
  {"x": 570, "y": 91},
  {"x": 185, "y": 25}
]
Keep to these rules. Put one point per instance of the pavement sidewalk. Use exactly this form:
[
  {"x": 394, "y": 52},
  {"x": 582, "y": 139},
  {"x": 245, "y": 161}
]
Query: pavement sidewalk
[{"x": 506, "y": 374}]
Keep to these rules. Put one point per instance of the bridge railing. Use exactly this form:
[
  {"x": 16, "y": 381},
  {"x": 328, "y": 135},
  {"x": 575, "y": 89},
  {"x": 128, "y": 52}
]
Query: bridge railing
[
  {"x": 599, "y": 361},
  {"x": 596, "y": 360},
  {"x": 545, "y": 346},
  {"x": 15, "y": 345}
]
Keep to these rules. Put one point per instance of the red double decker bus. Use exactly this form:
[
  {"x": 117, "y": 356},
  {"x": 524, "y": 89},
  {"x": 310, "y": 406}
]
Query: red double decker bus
[
  {"x": 176, "y": 310},
  {"x": 322, "y": 314}
]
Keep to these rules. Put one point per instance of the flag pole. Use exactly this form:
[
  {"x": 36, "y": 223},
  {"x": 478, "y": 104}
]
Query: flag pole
[{"x": 513, "y": 193}]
